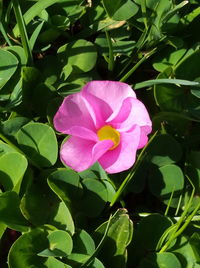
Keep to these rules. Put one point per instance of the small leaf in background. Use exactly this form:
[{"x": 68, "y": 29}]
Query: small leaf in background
[
  {"x": 8, "y": 65},
  {"x": 39, "y": 142}
]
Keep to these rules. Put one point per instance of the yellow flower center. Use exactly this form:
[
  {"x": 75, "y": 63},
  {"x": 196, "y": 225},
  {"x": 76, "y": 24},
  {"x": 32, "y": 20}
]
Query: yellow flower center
[{"x": 109, "y": 133}]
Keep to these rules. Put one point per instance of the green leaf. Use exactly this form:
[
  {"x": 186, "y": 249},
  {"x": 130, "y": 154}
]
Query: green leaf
[
  {"x": 195, "y": 244},
  {"x": 40, "y": 104},
  {"x": 113, "y": 252},
  {"x": 83, "y": 248},
  {"x": 33, "y": 11},
  {"x": 8, "y": 65},
  {"x": 23, "y": 252},
  {"x": 35, "y": 34},
  {"x": 165, "y": 180},
  {"x": 10, "y": 213},
  {"x": 187, "y": 69},
  {"x": 66, "y": 184},
  {"x": 54, "y": 263},
  {"x": 60, "y": 245},
  {"x": 169, "y": 58},
  {"x": 30, "y": 78},
  {"x": 18, "y": 51},
  {"x": 120, "y": 9},
  {"x": 12, "y": 168},
  {"x": 63, "y": 218},
  {"x": 160, "y": 260},
  {"x": 50, "y": 68},
  {"x": 185, "y": 253},
  {"x": 80, "y": 54},
  {"x": 5, "y": 148},
  {"x": 122, "y": 47},
  {"x": 94, "y": 198},
  {"x": 146, "y": 237},
  {"x": 159, "y": 81},
  {"x": 3, "y": 228},
  {"x": 52, "y": 210},
  {"x": 96, "y": 264},
  {"x": 39, "y": 142},
  {"x": 11, "y": 126},
  {"x": 83, "y": 243},
  {"x": 171, "y": 97},
  {"x": 164, "y": 150}
]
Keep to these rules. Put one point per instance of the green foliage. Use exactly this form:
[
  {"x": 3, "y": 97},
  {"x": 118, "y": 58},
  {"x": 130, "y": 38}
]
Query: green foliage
[
  {"x": 8, "y": 66},
  {"x": 54, "y": 217},
  {"x": 38, "y": 141}
]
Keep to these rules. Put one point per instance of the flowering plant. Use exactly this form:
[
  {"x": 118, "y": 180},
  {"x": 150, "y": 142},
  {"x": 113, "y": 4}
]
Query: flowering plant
[{"x": 106, "y": 123}]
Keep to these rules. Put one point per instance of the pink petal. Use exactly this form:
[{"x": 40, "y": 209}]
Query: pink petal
[
  {"x": 83, "y": 133},
  {"x": 72, "y": 113},
  {"x": 80, "y": 154},
  {"x": 106, "y": 97},
  {"x": 123, "y": 157},
  {"x": 121, "y": 113},
  {"x": 143, "y": 136},
  {"x": 137, "y": 115}
]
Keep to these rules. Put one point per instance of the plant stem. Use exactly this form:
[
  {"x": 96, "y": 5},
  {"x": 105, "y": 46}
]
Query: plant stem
[
  {"x": 111, "y": 57},
  {"x": 132, "y": 173},
  {"x": 177, "y": 231},
  {"x": 4, "y": 34},
  {"x": 132, "y": 70},
  {"x": 23, "y": 33}
]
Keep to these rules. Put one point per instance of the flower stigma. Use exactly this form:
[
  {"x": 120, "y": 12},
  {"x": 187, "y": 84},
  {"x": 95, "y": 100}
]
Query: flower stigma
[{"x": 109, "y": 133}]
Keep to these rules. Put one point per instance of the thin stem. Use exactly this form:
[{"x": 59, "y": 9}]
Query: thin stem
[
  {"x": 132, "y": 173},
  {"x": 111, "y": 56},
  {"x": 5, "y": 34},
  {"x": 176, "y": 231},
  {"x": 168, "y": 205},
  {"x": 144, "y": 11},
  {"x": 22, "y": 29},
  {"x": 99, "y": 245},
  {"x": 134, "y": 68},
  {"x": 188, "y": 220}
]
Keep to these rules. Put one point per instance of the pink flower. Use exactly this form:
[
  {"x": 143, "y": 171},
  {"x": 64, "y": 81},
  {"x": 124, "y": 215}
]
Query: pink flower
[{"x": 106, "y": 123}]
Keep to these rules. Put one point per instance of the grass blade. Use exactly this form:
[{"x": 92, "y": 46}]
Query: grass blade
[{"x": 22, "y": 30}]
